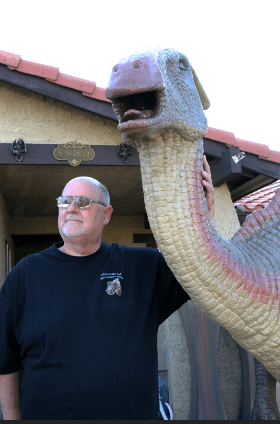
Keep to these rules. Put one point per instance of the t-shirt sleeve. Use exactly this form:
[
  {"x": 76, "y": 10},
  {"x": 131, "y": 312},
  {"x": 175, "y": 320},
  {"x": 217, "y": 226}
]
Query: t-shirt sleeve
[
  {"x": 10, "y": 359},
  {"x": 171, "y": 294}
]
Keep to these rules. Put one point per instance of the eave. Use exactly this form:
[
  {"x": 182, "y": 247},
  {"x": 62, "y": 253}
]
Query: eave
[
  {"x": 251, "y": 173},
  {"x": 55, "y": 91}
]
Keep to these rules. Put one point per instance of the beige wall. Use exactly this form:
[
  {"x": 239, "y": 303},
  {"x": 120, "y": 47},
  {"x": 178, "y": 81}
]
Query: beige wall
[
  {"x": 38, "y": 119},
  {"x": 4, "y": 235},
  {"x": 226, "y": 219}
]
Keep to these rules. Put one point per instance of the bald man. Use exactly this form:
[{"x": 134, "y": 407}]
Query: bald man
[{"x": 80, "y": 319}]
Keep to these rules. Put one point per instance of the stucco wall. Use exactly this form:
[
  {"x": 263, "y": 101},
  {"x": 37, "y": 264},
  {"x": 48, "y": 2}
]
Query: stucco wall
[
  {"x": 38, "y": 119},
  {"x": 226, "y": 219},
  {"x": 4, "y": 235}
]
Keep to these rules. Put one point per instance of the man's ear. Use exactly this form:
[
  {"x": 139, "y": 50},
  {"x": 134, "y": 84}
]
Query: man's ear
[{"x": 108, "y": 210}]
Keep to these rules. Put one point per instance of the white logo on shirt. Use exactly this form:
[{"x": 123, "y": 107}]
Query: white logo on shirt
[{"x": 111, "y": 275}]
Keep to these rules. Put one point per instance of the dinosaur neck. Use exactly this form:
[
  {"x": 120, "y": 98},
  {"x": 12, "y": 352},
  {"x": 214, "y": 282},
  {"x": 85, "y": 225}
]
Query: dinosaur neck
[
  {"x": 210, "y": 268},
  {"x": 175, "y": 202}
]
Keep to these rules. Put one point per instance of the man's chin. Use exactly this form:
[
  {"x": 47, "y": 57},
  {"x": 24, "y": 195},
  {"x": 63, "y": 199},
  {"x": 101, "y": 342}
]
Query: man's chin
[{"x": 68, "y": 232}]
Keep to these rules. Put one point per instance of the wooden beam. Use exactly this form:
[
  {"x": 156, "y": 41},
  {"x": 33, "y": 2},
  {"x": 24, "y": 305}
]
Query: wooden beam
[
  {"x": 224, "y": 169},
  {"x": 42, "y": 154},
  {"x": 214, "y": 148},
  {"x": 261, "y": 166},
  {"x": 64, "y": 94}
]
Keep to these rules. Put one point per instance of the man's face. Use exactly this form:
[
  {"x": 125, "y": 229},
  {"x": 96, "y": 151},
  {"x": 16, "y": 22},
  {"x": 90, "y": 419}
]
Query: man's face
[{"x": 87, "y": 223}]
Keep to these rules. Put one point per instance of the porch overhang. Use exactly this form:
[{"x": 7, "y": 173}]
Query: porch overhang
[{"x": 30, "y": 187}]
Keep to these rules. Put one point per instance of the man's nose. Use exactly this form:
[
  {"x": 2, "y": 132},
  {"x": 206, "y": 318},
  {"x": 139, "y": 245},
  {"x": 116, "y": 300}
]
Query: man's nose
[{"x": 73, "y": 207}]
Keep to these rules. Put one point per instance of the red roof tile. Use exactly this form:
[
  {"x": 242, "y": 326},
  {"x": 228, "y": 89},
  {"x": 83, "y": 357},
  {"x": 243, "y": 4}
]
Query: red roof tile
[
  {"x": 262, "y": 150},
  {"x": 89, "y": 89},
  {"x": 99, "y": 93},
  {"x": 250, "y": 146},
  {"x": 273, "y": 156},
  {"x": 45, "y": 71},
  {"x": 259, "y": 199},
  {"x": 9, "y": 58},
  {"x": 52, "y": 74},
  {"x": 75, "y": 83},
  {"x": 221, "y": 135}
]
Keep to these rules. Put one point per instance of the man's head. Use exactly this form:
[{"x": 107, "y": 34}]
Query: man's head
[{"x": 87, "y": 224}]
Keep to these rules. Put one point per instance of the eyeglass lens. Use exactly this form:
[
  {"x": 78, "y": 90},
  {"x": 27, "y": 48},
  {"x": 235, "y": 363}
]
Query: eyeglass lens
[{"x": 82, "y": 202}]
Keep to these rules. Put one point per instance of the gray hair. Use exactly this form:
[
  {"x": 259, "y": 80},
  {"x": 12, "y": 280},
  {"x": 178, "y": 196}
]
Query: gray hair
[
  {"x": 104, "y": 193},
  {"x": 105, "y": 196}
]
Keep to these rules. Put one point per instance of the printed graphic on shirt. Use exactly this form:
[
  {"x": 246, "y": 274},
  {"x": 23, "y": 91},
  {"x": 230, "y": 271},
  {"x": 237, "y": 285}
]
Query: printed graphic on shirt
[
  {"x": 114, "y": 287},
  {"x": 111, "y": 275}
]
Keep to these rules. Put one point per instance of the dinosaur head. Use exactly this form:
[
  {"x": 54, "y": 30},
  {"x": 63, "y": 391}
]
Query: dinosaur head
[{"x": 157, "y": 89}]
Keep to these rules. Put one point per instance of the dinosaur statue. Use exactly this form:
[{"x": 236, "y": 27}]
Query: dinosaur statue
[{"x": 159, "y": 103}]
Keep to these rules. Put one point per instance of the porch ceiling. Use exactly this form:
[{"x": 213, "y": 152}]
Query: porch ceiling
[{"x": 31, "y": 190}]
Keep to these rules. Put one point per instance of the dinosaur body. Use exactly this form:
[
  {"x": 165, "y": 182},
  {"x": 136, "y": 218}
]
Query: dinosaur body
[{"x": 235, "y": 282}]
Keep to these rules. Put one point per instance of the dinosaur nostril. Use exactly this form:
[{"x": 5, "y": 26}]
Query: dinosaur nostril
[
  {"x": 137, "y": 64},
  {"x": 115, "y": 68}
]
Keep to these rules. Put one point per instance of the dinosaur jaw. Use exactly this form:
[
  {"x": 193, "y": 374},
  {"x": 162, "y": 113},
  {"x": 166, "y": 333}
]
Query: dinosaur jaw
[{"x": 139, "y": 114}]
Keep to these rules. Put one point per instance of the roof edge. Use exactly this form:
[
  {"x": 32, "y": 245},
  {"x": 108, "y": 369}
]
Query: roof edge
[{"x": 52, "y": 74}]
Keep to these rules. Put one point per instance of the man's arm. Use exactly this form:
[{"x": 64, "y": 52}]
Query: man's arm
[
  {"x": 209, "y": 189},
  {"x": 10, "y": 396}
]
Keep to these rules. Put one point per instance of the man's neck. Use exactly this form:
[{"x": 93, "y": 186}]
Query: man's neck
[{"x": 75, "y": 249}]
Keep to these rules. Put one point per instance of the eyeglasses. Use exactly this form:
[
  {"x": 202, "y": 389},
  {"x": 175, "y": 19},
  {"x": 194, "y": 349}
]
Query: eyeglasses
[{"x": 82, "y": 202}]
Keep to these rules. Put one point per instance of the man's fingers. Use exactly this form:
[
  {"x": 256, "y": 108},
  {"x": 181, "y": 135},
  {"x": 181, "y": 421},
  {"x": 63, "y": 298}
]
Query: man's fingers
[
  {"x": 206, "y": 165},
  {"x": 207, "y": 177},
  {"x": 208, "y": 188},
  {"x": 209, "y": 191},
  {"x": 206, "y": 172}
]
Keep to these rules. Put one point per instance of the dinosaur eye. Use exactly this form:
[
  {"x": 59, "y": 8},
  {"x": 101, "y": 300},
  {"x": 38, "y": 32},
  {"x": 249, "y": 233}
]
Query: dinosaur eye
[
  {"x": 183, "y": 66},
  {"x": 185, "y": 71}
]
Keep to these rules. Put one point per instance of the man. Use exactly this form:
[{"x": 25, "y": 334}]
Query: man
[{"x": 80, "y": 320}]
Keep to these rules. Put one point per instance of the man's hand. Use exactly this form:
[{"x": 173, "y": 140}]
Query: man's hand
[{"x": 209, "y": 189}]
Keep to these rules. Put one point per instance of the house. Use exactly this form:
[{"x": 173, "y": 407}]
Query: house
[{"x": 49, "y": 121}]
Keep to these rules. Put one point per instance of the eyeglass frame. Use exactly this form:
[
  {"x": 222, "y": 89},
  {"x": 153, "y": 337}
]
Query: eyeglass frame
[{"x": 74, "y": 198}]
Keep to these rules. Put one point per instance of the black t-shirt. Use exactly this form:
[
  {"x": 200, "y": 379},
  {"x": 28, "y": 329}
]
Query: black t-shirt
[{"x": 86, "y": 330}]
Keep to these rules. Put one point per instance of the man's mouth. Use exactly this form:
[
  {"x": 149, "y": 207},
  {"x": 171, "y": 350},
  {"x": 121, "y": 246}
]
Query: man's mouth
[{"x": 73, "y": 219}]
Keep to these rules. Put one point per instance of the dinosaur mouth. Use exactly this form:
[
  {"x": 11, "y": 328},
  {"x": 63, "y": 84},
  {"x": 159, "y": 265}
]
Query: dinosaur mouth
[{"x": 138, "y": 112}]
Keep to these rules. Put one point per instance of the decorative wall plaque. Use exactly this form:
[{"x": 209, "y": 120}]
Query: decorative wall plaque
[{"x": 74, "y": 153}]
